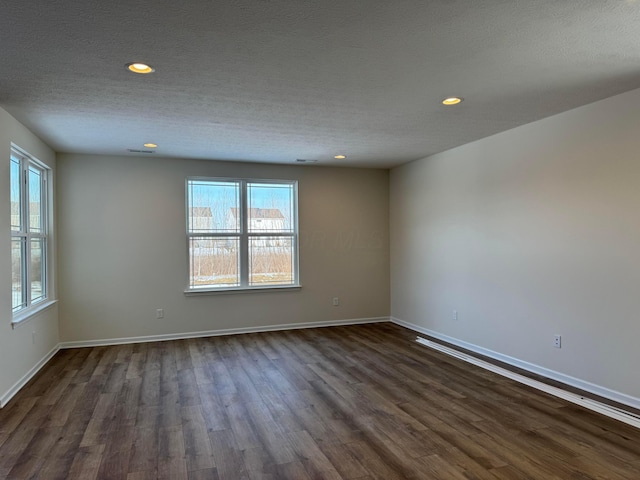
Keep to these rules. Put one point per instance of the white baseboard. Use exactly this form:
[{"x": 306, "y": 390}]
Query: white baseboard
[
  {"x": 598, "y": 390},
  {"x": 599, "y": 407},
  {"x": 216, "y": 333},
  {"x": 4, "y": 399}
]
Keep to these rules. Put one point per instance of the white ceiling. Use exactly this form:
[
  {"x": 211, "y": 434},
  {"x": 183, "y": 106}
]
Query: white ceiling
[{"x": 277, "y": 80}]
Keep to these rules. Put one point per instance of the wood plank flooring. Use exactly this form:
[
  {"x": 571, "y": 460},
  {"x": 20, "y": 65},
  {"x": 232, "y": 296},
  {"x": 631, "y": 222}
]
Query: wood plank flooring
[{"x": 357, "y": 402}]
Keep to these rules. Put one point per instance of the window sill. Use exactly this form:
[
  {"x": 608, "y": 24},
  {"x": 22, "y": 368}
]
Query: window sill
[
  {"x": 234, "y": 290},
  {"x": 23, "y": 317}
]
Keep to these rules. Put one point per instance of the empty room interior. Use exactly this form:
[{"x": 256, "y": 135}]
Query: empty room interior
[{"x": 283, "y": 239}]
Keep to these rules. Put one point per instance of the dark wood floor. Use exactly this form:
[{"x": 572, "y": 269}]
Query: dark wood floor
[{"x": 358, "y": 402}]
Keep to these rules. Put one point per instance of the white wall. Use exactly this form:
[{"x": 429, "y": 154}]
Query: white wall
[
  {"x": 18, "y": 353},
  {"x": 122, "y": 248},
  {"x": 530, "y": 233}
]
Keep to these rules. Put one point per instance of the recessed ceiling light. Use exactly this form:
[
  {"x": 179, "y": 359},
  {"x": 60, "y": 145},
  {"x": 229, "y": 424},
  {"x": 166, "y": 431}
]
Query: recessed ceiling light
[
  {"x": 137, "y": 67},
  {"x": 452, "y": 101},
  {"x": 150, "y": 145},
  {"x": 340, "y": 157}
]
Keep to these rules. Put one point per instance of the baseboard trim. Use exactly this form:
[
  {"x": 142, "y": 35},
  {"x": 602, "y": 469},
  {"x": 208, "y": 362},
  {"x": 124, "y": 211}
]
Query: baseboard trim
[
  {"x": 592, "y": 388},
  {"x": 216, "y": 333},
  {"x": 4, "y": 399},
  {"x": 607, "y": 410}
]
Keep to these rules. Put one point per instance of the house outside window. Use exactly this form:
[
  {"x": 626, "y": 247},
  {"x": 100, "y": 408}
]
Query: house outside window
[{"x": 241, "y": 234}]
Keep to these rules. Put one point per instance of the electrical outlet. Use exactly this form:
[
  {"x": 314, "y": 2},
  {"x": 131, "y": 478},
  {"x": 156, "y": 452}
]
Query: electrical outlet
[
  {"x": 160, "y": 313},
  {"x": 336, "y": 301},
  {"x": 557, "y": 341},
  {"x": 454, "y": 315}
]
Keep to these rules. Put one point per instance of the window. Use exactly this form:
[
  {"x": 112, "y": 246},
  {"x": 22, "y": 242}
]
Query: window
[
  {"x": 242, "y": 234},
  {"x": 29, "y": 231}
]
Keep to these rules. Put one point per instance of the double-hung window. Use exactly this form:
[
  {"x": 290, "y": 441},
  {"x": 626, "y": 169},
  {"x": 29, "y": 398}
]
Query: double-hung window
[
  {"x": 29, "y": 231},
  {"x": 242, "y": 234}
]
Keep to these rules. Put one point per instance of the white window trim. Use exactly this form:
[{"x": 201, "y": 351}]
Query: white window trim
[
  {"x": 229, "y": 290},
  {"x": 244, "y": 235},
  {"x": 21, "y": 316}
]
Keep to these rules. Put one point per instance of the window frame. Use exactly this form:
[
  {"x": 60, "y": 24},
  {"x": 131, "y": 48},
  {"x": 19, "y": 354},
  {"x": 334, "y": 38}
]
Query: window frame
[
  {"x": 26, "y": 234},
  {"x": 244, "y": 235}
]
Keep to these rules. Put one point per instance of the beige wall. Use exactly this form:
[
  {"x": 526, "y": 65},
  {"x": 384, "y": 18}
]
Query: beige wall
[
  {"x": 18, "y": 351},
  {"x": 122, "y": 248},
  {"x": 530, "y": 233}
]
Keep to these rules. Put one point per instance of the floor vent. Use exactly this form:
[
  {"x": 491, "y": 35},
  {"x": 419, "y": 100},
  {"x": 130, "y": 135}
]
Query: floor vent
[{"x": 604, "y": 409}]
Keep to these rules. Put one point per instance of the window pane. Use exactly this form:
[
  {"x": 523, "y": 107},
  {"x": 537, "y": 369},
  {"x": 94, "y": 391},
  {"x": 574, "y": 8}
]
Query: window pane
[
  {"x": 271, "y": 260},
  {"x": 214, "y": 207},
  {"x": 214, "y": 262},
  {"x": 270, "y": 208},
  {"x": 18, "y": 293},
  {"x": 15, "y": 195},
  {"x": 35, "y": 199},
  {"x": 37, "y": 270}
]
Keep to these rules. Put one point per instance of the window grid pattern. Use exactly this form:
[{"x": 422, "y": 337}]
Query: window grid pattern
[
  {"x": 241, "y": 233},
  {"x": 29, "y": 238}
]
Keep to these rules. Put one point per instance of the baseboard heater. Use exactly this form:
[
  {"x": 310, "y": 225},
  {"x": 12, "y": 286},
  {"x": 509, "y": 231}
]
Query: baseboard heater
[{"x": 604, "y": 409}]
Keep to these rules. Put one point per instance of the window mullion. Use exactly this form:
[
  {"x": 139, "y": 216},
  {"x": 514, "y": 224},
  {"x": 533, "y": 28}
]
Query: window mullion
[
  {"x": 44, "y": 228},
  {"x": 210, "y": 235},
  {"x": 244, "y": 235},
  {"x": 273, "y": 234},
  {"x": 26, "y": 288},
  {"x": 44, "y": 204}
]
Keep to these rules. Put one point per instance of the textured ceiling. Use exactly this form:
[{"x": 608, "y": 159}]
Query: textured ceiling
[{"x": 277, "y": 80}]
